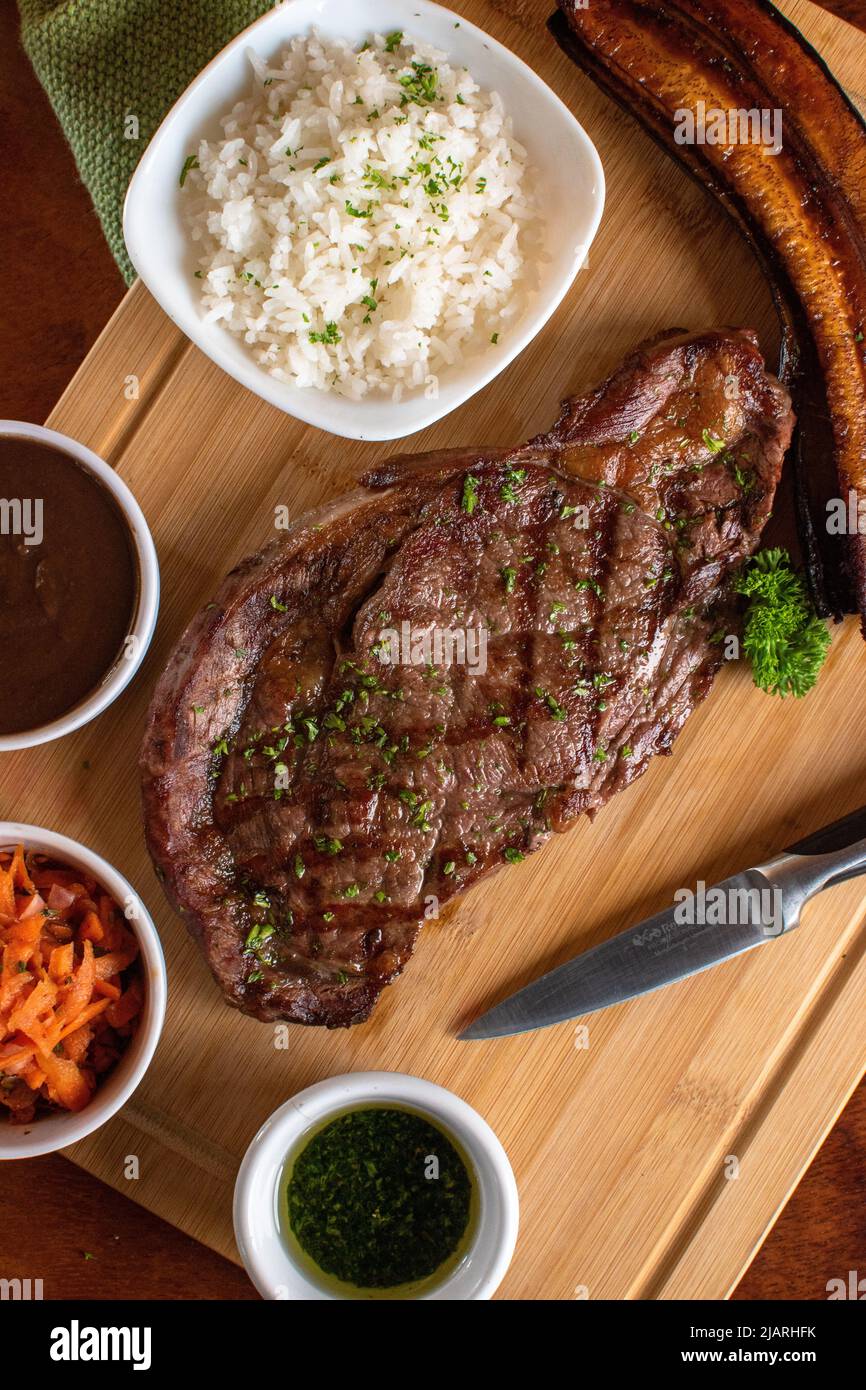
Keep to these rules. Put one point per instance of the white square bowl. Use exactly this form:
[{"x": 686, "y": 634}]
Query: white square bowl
[{"x": 570, "y": 189}]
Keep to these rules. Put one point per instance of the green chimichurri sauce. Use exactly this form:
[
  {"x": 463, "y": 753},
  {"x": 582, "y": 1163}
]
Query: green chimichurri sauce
[{"x": 379, "y": 1198}]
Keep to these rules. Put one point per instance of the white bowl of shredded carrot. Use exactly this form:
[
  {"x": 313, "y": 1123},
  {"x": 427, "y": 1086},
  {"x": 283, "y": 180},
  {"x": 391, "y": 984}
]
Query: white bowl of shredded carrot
[{"x": 82, "y": 990}]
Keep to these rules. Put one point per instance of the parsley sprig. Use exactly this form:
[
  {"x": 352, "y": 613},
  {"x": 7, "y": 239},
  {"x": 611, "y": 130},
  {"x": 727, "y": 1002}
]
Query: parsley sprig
[{"x": 783, "y": 637}]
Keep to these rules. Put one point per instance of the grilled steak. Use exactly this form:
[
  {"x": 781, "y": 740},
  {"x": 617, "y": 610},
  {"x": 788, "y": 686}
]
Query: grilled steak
[{"x": 319, "y": 763}]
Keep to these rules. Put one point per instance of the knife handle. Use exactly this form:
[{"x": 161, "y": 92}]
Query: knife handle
[{"x": 832, "y": 838}]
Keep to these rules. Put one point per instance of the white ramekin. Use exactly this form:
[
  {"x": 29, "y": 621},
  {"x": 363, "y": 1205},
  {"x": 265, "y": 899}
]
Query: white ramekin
[
  {"x": 570, "y": 190},
  {"x": 50, "y": 1132},
  {"x": 266, "y": 1254},
  {"x": 119, "y": 675}
]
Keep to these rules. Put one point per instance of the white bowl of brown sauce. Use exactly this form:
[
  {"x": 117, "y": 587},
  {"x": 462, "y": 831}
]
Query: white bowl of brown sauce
[{"x": 79, "y": 584}]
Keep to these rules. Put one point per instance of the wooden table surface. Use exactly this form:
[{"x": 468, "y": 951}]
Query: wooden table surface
[{"x": 59, "y": 285}]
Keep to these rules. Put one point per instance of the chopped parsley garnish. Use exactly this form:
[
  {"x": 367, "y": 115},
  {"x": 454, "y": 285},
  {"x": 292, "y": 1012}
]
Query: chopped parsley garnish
[
  {"x": 330, "y": 336},
  {"x": 189, "y": 163},
  {"x": 325, "y": 844},
  {"x": 556, "y": 710},
  {"x": 592, "y": 584},
  {"x": 513, "y": 477},
  {"x": 257, "y": 936},
  {"x": 513, "y": 856},
  {"x": 419, "y": 817},
  {"x": 713, "y": 443},
  {"x": 376, "y": 179},
  {"x": 358, "y": 212},
  {"x": 393, "y": 41},
  {"x": 469, "y": 499},
  {"x": 420, "y": 85}
]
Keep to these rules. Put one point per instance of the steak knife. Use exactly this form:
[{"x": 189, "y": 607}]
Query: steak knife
[{"x": 712, "y": 925}]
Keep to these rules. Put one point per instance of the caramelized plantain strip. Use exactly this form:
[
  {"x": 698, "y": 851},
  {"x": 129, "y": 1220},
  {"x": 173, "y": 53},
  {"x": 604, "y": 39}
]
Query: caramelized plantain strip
[{"x": 803, "y": 210}]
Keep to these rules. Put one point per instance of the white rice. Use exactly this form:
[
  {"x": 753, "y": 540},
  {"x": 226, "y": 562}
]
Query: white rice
[{"x": 438, "y": 265}]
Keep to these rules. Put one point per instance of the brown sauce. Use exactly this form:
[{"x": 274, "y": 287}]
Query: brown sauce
[{"x": 68, "y": 583}]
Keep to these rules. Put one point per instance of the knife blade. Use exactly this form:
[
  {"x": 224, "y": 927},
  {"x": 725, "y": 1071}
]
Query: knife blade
[{"x": 702, "y": 928}]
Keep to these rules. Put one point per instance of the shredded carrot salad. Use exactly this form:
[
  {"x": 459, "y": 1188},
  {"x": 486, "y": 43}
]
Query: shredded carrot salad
[{"x": 70, "y": 985}]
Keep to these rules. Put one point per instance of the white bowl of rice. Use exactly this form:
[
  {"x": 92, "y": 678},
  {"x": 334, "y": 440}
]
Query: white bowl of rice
[{"x": 364, "y": 211}]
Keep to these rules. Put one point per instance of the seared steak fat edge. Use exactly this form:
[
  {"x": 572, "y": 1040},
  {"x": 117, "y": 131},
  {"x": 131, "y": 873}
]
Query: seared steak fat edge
[{"x": 304, "y": 798}]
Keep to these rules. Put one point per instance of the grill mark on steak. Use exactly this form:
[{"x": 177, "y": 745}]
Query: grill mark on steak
[{"x": 398, "y": 783}]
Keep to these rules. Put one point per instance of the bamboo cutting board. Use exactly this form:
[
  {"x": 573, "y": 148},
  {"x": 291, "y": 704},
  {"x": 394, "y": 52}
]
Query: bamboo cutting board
[{"x": 621, "y": 1148}]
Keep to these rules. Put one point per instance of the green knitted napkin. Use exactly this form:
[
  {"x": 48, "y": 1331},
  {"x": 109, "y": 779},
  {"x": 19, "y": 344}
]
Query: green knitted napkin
[{"x": 112, "y": 68}]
